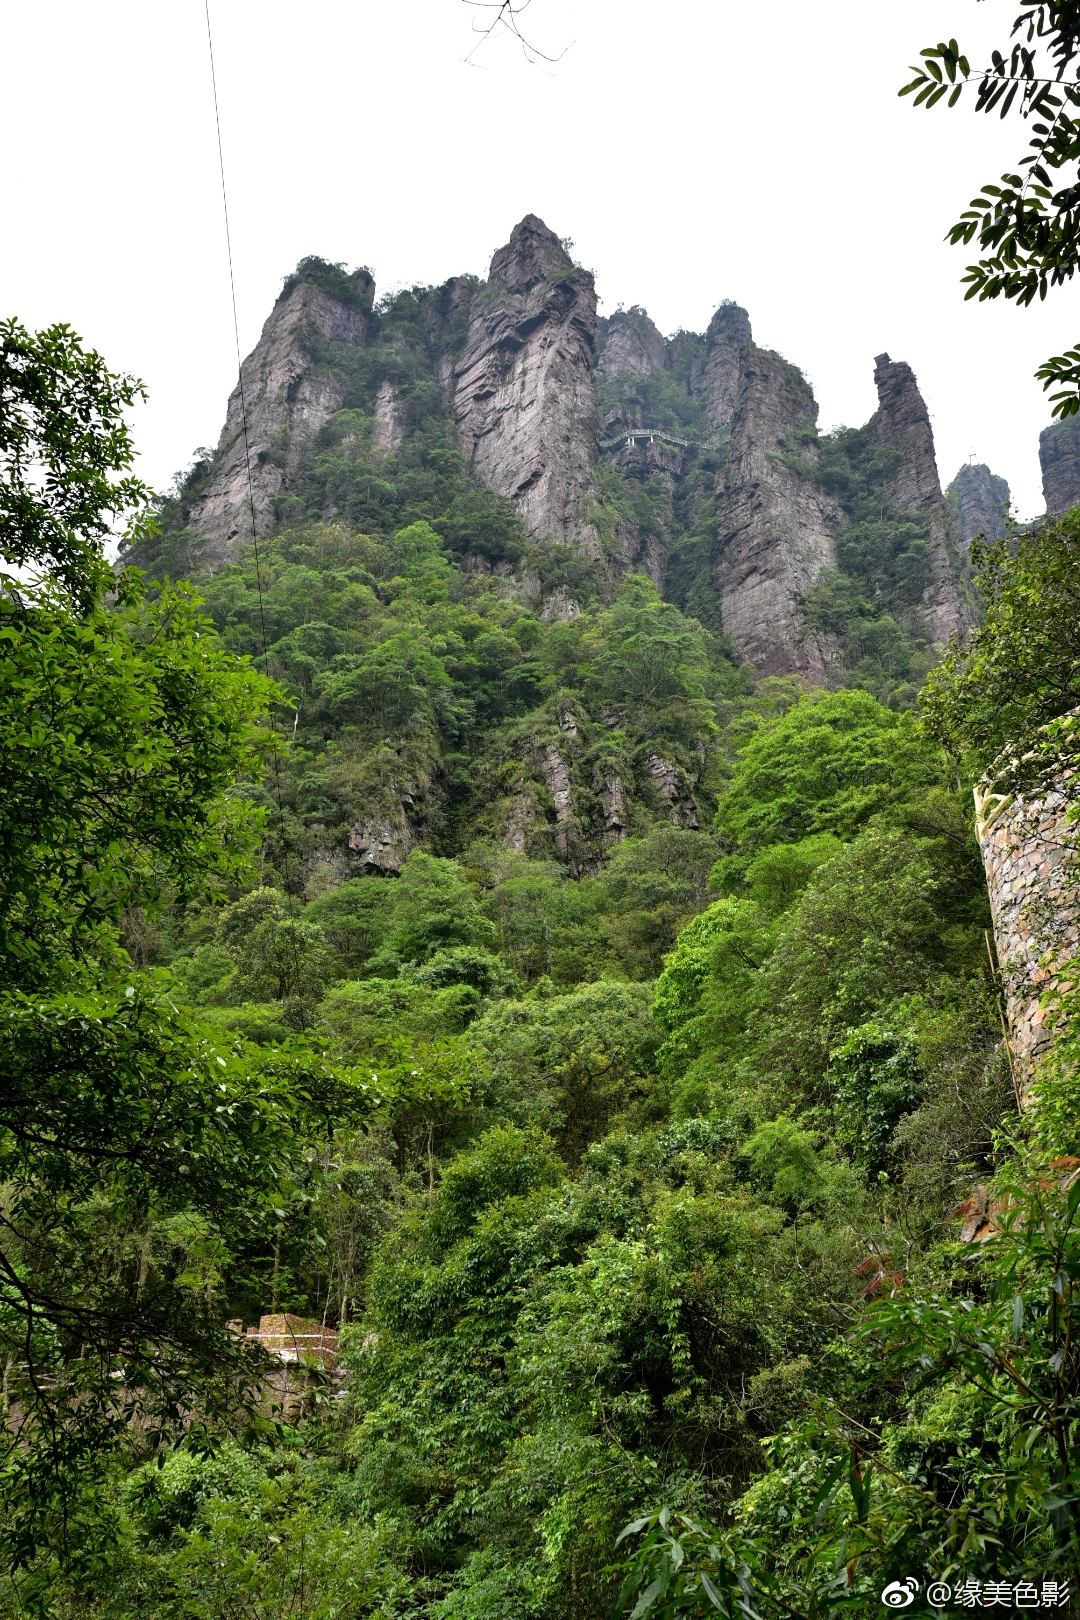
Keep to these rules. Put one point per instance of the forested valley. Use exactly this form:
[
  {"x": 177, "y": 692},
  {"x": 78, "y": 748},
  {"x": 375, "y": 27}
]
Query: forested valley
[{"x": 608, "y": 1092}]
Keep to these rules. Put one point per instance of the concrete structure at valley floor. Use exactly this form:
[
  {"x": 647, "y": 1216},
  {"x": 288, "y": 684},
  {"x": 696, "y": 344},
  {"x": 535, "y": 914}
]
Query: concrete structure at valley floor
[
  {"x": 1032, "y": 861},
  {"x": 304, "y": 1359}
]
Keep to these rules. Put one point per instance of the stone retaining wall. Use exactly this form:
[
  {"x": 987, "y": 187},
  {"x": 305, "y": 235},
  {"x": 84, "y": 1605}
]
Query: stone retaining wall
[{"x": 1031, "y": 866}]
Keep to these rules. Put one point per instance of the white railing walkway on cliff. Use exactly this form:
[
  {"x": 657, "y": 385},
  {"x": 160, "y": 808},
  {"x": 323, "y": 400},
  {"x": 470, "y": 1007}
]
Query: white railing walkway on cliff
[{"x": 633, "y": 436}]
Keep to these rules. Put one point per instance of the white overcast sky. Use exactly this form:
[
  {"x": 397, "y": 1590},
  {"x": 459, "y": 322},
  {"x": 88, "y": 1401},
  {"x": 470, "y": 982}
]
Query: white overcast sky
[{"x": 694, "y": 151}]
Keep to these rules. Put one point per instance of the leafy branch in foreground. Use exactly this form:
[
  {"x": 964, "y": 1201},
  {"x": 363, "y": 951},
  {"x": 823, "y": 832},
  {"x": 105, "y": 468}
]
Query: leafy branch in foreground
[
  {"x": 122, "y": 733},
  {"x": 680, "y": 1568},
  {"x": 65, "y": 456},
  {"x": 1009, "y": 690},
  {"x": 1028, "y": 225},
  {"x": 144, "y": 1167},
  {"x": 683, "y": 1570}
]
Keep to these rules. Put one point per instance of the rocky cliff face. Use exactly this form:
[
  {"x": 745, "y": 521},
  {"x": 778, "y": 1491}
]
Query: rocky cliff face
[
  {"x": 631, "y": 345},
  {"x": 1059, "y": 455},
  {"x": 695, "y": 380},
  {"x": 902, "y": 423},
  {"x": 288, "y": 396},
  {"x": 716, "y": 383},
  {"x": 523, "y": 393},
  {"x": 706, "y": 369},
  {"x": 774, "y": 525},
  {"x": 981, "y": 503},
  {"x": 723, "y": 502}
]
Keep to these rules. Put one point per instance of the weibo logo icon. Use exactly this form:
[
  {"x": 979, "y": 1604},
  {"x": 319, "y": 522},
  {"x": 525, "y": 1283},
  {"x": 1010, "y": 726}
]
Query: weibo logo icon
[{"x": 899, "y": 1594}]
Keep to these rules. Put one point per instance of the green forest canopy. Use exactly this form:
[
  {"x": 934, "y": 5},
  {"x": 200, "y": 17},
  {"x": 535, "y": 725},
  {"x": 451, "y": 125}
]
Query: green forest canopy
[{"x": 598, "y": 1151}]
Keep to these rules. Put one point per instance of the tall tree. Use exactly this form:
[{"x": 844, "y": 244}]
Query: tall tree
[{"x": 141, "y": 1162}]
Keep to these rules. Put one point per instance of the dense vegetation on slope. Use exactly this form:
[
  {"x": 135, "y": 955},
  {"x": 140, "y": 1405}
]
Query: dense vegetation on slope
[
  {"x": 438, "y": 704},
  {"x": 871, "y": 602},
  {"x": 597, "y": 1138}
]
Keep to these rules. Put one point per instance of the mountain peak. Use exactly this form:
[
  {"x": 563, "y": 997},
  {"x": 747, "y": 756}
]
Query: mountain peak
[
  {"x": 533, "y": 254},
  {"x": 731, "y": 325},
  {"x": 982, "y": 502}
]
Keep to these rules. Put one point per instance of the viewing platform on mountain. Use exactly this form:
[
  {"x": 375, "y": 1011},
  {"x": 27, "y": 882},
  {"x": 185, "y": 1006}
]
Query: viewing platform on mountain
[{"x": 630, "y": 437}]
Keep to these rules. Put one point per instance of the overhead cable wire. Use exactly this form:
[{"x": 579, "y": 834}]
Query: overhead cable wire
[{"x": 251, "y": 488}]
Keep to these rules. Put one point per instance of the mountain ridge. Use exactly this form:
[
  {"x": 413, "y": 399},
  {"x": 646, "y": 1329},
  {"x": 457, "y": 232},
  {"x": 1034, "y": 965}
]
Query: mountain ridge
[
  {"x": 500, "y": 615},
  {"x": 532, "y": 386}
]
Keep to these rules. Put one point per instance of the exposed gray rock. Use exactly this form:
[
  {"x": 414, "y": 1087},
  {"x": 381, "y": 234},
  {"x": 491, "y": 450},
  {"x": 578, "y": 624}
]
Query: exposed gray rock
[
  {"x": 1059, "y": 456},
  {"x": 669, "y": 783},
  {"x": 1029, "y": 853},
  {"x": 556, "y": 775},
  {"x": 660, "y": 466},
  {"x": 382, "y": 842},
  {"x": 324, "y": 869},
  {"x": 707, "y": 367},
  {"x": 718, "y": 380},
  {"x": 288, "y": 398},
  {"x": 524, "y": 399},
  {"x": 686, "y": 354},
  {"x": 521, "y": 820},
  {"x": 775, "y": 526},
  {"x": 523, "y": 394},
  {"x": 903, "y": 422},
  {"x": 389, "y": 430},
  {"x": 631, "y": 344},
  {"x": 560, "y": 607},
  {"x": 981, "y": 502},
  {"x": 613, "y": 803}
]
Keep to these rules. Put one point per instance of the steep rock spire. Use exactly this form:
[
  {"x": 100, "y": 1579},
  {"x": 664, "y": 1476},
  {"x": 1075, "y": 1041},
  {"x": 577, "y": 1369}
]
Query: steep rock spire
[
  {"x": 718, "y": 380},
  {"x": 1059, "y": 457},
  {"x": 902, "y": 423},
  {"x": 289, "y": 396},
  {"x": 632, "y": 345},
  {"x": 981, "y": 502},
  {"x": 523, "y": 394},
  {"x": 775, "y": 526}
]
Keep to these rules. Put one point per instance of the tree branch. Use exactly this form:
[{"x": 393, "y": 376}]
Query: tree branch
[{"x": 506, "y": 20}]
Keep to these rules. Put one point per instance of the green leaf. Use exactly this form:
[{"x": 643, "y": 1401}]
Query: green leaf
[{"x": 656, "y": 1589}]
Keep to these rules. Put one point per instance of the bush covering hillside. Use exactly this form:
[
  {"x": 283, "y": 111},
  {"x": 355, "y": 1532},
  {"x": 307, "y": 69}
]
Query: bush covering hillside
[{"x": 616, "y": 1128}]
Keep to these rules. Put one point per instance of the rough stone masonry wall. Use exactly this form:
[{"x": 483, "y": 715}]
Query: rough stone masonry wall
[{"x": 1031, "y": 872}]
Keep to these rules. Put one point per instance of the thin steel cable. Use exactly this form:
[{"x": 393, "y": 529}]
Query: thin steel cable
[{"x": 250, "y": 483}]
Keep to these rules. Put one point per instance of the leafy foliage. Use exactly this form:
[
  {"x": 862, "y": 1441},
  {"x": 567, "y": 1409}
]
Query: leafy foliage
[
  {"x": 65, "y": 456},
  {"x": 123, "y": 731},
  {"x": 833, "y": 761},
  {"x": 1016, "y": 679},
  {"x": 1028, "y": 225},
  {"x": 587, "y": 1032},
  {"x": 430, "y": 702}
]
